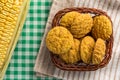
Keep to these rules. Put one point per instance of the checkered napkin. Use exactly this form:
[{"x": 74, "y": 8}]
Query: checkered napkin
[
  {"x": 24, "y": 56},
  {"x": 44, "y": 66}
]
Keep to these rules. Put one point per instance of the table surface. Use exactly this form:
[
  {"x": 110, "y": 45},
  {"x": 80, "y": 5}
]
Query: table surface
[{"x": 24, "y": 56}]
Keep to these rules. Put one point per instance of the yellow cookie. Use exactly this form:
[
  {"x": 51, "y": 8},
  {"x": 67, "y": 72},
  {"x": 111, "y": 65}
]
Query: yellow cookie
[
  {"x": 102, "y": 27},
  {"x": 68, "y": 19},
  {"x": 99, "y": 51},
  {"x": 73, "y": 55},
  {"x": 59, "y": 40},
  {"x": 82, "y": 25},
  {"x": 87, "y": 46}
]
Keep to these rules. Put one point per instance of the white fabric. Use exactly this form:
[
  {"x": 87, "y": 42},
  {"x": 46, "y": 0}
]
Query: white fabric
[{"x": 44, "y": 67}]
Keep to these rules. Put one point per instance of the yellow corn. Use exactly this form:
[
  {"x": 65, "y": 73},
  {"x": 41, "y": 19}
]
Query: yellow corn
[
  {"x": 12, "y": 17},
  {"x": 9, "y": 13}
]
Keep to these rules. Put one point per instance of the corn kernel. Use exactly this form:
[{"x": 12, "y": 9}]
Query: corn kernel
[
  {"x": 9, "y": 19},
  {"x": 2, "y": 24},
  {"x": 2, "y": 20},
  {"x": 2, "y": 16},
  {"x": 0, "y": 8},
  {"x": 3, "y": 1},
  {"x": 10, "y": 1},
  {"x": 13, "y": 16},
  {"x": 1, "y": 4},
  {"x": 5, "y": 12},
  {"x": 16, "y": 8},
  {"x": 9, "y": 5},
  {"x": 6, "y": 8}
]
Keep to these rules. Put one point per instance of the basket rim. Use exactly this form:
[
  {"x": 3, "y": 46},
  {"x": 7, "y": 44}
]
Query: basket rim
[{"x": 72, "y": 67}]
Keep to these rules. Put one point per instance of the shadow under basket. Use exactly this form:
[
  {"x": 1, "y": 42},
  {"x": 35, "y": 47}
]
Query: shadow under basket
[{"x": 80, "y": 66}]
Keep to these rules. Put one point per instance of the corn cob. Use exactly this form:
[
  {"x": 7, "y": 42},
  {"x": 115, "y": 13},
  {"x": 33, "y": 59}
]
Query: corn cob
[{"x": 11, "y": 12}]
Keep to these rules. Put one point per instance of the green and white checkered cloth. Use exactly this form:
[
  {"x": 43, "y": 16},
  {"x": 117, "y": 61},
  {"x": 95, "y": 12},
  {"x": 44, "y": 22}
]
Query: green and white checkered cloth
[{"x": 24, "y": 56}]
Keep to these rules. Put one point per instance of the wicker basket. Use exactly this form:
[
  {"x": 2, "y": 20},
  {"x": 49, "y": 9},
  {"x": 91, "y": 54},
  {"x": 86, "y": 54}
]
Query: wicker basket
[{"x": 80, "y": 66}]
